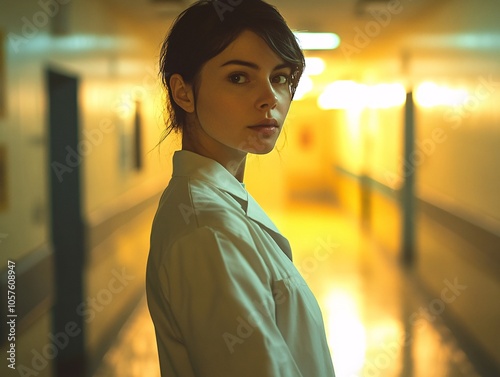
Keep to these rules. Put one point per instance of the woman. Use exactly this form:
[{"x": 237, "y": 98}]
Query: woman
[{"x": 223, "y": 293}]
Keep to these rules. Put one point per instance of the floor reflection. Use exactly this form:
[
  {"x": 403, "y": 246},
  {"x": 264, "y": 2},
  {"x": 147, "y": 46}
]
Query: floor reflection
[
  {"x": 134, "y": 353},
  {"x": 377, "y": 323}
]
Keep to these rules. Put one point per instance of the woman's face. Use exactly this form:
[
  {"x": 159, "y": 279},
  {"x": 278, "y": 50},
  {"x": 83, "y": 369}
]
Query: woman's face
[{"x": 242, "y": 99}]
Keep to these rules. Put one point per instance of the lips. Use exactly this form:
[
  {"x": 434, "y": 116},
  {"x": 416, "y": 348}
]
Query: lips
[
  {"x": 266, "y": 128},
  {"x": 266, "y": 124}
]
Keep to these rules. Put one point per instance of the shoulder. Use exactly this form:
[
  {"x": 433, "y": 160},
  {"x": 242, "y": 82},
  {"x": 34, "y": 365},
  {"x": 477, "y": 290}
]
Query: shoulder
[
  {"x": 188, "y": 204},
  {"x": 207, "y": 247},
  {"x": 189, "y": 207}
]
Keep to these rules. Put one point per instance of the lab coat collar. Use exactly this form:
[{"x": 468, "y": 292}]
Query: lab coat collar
[
  {"x": 195, "y": 166},
  {"x": 255, "y": 212}
]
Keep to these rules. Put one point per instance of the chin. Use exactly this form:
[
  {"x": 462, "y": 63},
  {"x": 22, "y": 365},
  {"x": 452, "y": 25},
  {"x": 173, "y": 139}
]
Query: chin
[
  {"x": 266, "y": 151},
  {"x": 258, "y": 145},
  {"x": 260, "y": 149}
]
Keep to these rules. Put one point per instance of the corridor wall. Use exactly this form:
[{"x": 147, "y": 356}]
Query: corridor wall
[{"x": 114, "y": 58}]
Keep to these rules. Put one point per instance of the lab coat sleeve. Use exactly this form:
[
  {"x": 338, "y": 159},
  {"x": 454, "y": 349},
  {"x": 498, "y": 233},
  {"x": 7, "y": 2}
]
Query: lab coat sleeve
[{"x": 221, "y": 297}]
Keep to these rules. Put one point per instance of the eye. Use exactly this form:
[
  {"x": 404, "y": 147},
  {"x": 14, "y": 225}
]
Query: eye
[
  {"x": 238, "y": 78},
  {"x": 282, "y": 79}
]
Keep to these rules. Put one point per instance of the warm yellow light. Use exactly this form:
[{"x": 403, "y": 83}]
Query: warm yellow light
[
  {"x": 429, "y": 94},
  {"x": 384, "y": 96},
  {"x": 314, "y": 66},
  {"x": 346, "y": 333},
  {"x": 305, "y": 86},
  {"x": 350, "y": 94},
  {"x": 318, "y": 41},
  {"x": 342, "y": 95}
]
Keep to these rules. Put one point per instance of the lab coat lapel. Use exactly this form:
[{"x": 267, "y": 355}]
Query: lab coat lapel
[
  {"x": 193, "y": 165},
  {"x": 255, "y": 212}
]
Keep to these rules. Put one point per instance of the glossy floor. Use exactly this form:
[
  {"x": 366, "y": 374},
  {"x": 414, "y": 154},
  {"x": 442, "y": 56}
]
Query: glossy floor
[{"x": 376, "y": 321}]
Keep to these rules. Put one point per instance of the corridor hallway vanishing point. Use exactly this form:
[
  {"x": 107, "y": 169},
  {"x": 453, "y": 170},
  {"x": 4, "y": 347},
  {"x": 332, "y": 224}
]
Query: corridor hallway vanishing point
[{"x": 377, "y": 322}]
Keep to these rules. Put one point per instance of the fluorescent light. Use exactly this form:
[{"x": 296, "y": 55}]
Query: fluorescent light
[
  {"x": 478, "y": 41},
  {"x": 318, "y": 41}
]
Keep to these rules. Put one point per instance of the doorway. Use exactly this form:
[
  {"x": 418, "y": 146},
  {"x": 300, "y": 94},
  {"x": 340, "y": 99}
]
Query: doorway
[{"x": 67, "y": 226}]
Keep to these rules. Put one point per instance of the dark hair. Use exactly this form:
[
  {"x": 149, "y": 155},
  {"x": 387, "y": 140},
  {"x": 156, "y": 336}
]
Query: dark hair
[{"x": 206, "y": 28}]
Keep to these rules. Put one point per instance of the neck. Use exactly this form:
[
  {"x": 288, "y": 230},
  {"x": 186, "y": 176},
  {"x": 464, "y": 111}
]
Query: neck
[
  {"x": 233, "y": 160},
  {"x": 239, "y": 174}
]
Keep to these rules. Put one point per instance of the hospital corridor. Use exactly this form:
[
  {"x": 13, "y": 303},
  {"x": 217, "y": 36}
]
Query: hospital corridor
[{"x": 378, "y": 323}]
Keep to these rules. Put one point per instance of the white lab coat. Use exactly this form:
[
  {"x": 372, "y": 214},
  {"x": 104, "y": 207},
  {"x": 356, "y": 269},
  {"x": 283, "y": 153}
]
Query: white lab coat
[{"x": 223, "y": 293}]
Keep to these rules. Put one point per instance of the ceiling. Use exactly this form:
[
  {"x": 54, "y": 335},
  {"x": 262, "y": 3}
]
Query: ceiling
[
  {"x": 339, "y": 16},
  {"x": 458, "y": 29}
]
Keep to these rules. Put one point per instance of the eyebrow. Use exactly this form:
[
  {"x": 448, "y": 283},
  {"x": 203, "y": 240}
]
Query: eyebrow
[{"x": 253, "y": 65}]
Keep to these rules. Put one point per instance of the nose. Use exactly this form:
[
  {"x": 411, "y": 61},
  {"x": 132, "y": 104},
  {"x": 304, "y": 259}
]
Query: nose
[{"x": 267, "y": 98}]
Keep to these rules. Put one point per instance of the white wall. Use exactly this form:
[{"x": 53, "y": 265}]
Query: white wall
[{"x": 115, "y": 61}]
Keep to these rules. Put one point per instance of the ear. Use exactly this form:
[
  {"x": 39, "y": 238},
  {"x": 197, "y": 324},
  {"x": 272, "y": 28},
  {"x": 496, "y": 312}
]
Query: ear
[{"x": 182, "y": 93}]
